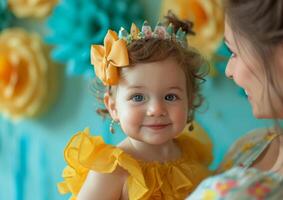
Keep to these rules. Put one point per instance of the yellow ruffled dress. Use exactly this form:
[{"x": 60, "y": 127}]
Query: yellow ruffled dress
[{"x": 147, "y": 180}]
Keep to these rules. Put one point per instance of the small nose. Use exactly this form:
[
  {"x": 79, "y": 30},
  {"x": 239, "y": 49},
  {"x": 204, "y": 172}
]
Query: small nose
[
  {"x": 229, "y": 70},
  {"x": 156, "y": 109}
]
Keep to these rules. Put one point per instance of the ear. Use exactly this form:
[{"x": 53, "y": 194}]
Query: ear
[{"x": 111, "y": 106}]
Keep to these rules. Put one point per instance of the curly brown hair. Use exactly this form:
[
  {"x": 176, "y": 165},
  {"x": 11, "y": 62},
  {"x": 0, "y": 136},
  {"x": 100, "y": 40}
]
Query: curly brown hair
[{"x": 156, "y": 49}]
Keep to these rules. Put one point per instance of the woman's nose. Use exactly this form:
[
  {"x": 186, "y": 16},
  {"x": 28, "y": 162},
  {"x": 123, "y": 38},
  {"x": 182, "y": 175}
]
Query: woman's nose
[{"x": 156, "y": 109}]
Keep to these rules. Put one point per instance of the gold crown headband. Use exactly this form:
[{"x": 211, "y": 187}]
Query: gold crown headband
[{"x": 114, "y": 54}]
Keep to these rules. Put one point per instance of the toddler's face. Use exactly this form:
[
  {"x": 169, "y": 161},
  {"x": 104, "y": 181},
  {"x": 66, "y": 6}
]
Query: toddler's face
[{"x": 151, "y": 101}]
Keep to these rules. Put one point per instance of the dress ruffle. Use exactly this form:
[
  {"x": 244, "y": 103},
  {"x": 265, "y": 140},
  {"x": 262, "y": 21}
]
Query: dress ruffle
[{"x": 147, "y": 180}]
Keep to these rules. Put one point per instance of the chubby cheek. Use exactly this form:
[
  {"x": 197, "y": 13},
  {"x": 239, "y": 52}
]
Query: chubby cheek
[
  {"x": 242, "y": 74},
  {"x": 130, "y": 117},
  {"x": 249, "y": 77},
  {"x": 251, "y": 80},
  {"x": 179, "y": 117}
]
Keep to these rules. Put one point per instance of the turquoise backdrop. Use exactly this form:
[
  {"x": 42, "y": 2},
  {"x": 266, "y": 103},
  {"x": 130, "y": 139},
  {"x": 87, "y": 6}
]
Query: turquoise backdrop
[{"x": 31, "y": 151}]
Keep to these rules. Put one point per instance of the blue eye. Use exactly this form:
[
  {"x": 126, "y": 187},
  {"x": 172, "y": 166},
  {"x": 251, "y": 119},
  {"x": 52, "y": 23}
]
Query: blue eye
[
  {"x": 171, "y": 97},
  {"x": 137, "y": 98}
]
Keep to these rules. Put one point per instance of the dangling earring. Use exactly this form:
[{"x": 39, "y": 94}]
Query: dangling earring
[
  {"x": 111, "y": 128},
  {"x": 191, "y": 126}
]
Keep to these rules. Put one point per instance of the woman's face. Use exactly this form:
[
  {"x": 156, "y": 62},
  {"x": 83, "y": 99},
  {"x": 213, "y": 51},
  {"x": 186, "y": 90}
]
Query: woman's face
[{"x": 247, "y": 72}]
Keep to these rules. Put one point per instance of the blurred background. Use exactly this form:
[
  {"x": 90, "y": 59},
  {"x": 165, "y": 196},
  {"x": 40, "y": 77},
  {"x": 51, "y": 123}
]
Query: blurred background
[{"x": 45, "y": 83}]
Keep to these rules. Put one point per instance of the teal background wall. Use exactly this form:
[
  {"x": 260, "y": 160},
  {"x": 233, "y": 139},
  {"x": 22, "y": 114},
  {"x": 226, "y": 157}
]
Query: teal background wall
[{"x": 31, "y": 151}]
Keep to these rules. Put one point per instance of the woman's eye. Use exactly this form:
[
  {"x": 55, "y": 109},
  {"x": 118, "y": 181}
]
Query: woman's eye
[
  {"x": 137, "y": 98},
  {"x": 232, "y": 54},
  {"x": 171, "y": 97}
]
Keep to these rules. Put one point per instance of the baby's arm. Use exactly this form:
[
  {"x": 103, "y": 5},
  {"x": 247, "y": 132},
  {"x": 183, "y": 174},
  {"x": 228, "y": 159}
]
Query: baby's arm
[{"x": 103, "y": 186}]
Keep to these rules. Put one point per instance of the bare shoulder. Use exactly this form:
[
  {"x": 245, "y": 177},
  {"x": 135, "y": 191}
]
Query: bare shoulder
[
  {"x": 126, "y": 147},
  {"x": 106, "y": 186}
]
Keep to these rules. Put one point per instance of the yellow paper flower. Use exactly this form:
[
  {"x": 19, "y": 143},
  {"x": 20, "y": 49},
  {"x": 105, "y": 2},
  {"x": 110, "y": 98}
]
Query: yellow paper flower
[
  {"x": 106, "y": 59},
  {"x": 27, "y": 78},
  {"x": 34, "y": 8},
  {"x": 208, "y": 18}
]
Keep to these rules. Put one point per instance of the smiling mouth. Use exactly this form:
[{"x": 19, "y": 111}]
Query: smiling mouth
[{"x": 157, "y": 126}]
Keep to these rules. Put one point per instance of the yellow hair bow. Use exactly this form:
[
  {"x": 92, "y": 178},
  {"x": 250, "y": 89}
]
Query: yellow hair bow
[{"x": 106, "y": 59}]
